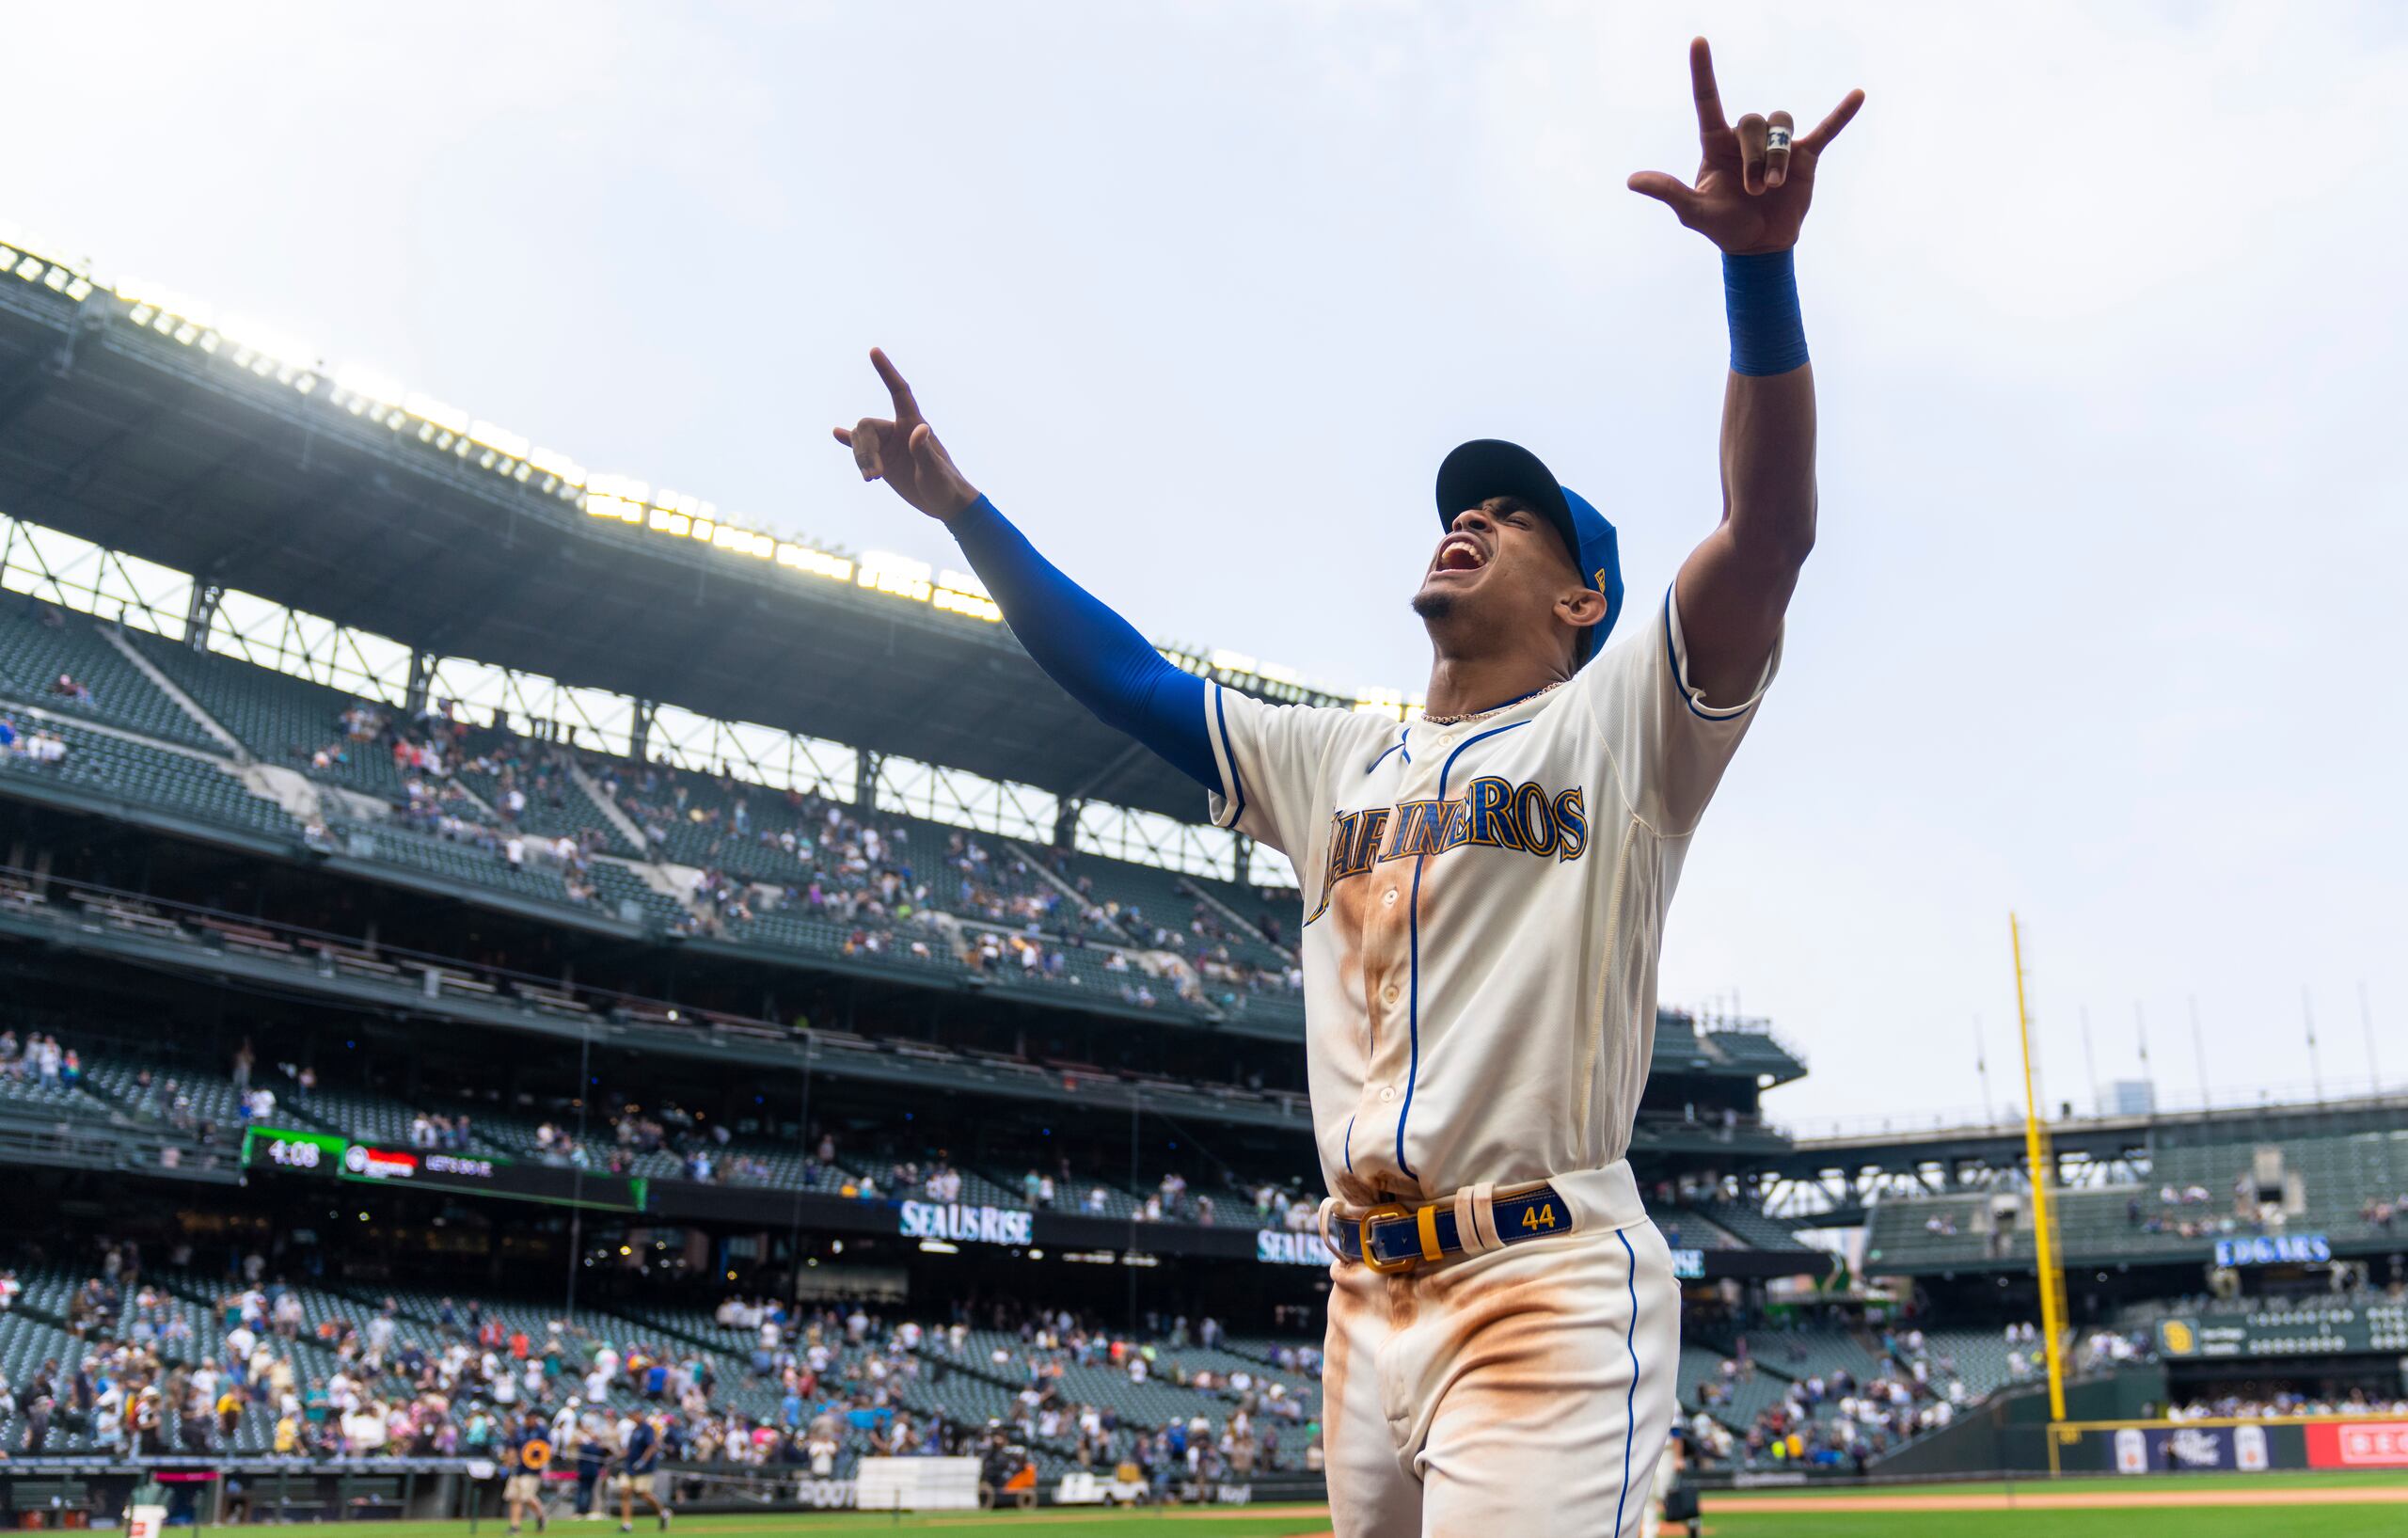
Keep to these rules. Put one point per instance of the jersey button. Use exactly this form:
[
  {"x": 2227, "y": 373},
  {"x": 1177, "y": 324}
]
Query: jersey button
[
  {"x": 1388, "y": 994},
  {"x": 1387, "y": 1094},
  {"x": 1387, "y": 898}
]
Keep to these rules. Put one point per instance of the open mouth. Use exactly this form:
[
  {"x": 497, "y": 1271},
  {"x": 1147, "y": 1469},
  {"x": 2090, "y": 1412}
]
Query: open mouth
[{"x": 1460, "y": 553}]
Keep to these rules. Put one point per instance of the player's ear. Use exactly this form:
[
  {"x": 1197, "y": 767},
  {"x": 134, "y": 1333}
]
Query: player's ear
[{"x": 1582, "y": 607}]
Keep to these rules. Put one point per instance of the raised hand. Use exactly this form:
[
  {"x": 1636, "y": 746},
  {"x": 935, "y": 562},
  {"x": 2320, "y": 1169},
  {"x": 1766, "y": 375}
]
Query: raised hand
[
  {"x": 1755, "y": 181},
  {"x": 904, "y": 452}
]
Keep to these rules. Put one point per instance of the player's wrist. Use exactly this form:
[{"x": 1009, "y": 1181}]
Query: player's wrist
[
  {"x": 965, "y": 497},
  {"x": 973, "y": 504},
  {"x": 1760, "y": 300}
]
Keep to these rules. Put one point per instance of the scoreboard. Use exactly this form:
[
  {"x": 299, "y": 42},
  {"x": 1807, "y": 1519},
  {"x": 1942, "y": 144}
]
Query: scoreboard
[
  {"x": 2335, "y": 1329},
  {"x": 297, "y": 1152}
]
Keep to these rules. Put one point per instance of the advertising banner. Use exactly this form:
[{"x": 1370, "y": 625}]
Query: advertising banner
[
  {"x": 2182, "y": 1449},
  {"x": 916, "y": 1484},
  {"x": 1276, "y": 1246},
  {"x": 955, "y": 1221},
  {"x": 2358, "y": 1444}
]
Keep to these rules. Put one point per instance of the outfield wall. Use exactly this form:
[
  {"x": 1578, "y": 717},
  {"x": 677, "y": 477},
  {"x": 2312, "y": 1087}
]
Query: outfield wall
[{"x": 2220, "y": 1445}]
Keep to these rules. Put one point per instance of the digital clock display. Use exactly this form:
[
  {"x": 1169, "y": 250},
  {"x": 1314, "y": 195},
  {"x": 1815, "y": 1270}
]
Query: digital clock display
[
  {"x": 290, "y": 1148},
  {"x": 292, "y": 1155}
]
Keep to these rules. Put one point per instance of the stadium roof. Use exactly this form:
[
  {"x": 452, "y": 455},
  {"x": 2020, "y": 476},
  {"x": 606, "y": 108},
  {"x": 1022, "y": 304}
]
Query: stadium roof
[{"x": 134, "y": 420}]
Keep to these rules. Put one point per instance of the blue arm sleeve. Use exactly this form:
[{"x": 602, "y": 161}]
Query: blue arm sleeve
[{"x": 1086, "y": 648}]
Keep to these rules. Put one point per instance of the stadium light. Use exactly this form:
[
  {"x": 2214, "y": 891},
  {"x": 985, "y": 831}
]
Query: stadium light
[
  {"x": 815, "y": 563},
  {"x": 884, "y": 571},
  {"x": 962, "y": 592}
]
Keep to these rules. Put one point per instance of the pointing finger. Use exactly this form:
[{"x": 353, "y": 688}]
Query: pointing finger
[
  {"x": 904, "y": 405},
  {"x": 1709, "y": 99},
  {"x": 1829, "y": 129}
]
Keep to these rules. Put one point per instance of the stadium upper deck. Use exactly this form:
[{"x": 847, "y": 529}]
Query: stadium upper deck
[{"x": 129, "y": 419}]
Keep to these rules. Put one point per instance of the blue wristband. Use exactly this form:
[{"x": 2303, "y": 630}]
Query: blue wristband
[{"x": 1760, "y": 294}]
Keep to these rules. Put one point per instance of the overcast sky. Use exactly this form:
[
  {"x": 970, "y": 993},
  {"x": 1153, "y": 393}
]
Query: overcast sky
[{"x": 2105, "y": 302}]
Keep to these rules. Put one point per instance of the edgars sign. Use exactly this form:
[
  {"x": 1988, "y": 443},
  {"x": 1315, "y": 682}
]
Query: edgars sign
[
  {"x": 976, "y": 1225},
  {"x": 2274, "y": 1249}
]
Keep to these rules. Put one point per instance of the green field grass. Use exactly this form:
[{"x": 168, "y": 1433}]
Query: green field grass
[
  {"x": 1728, "y": 1514},
  {"x": 2380, "y": 1515}
]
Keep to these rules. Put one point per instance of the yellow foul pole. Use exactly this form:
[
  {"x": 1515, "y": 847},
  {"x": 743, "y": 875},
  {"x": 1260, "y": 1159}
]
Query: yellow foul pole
[{"x": 2044, "y": 1223}]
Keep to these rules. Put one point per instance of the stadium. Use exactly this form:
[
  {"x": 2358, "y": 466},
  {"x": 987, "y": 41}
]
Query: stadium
[
  {"x": 532, "y": 997},
  {"x": 423, "y": 1012}
]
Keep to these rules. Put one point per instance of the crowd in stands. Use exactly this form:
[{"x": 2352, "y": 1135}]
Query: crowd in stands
[
  {"x": 1264, "y": 1415},
  {"x": 1205, "y": 944},
  {"x": 856, "y": 873},
  {"x": 868, "y": 879},
  {"x": 442, "y": 1134},
  {"x": 40, "y": 748},
  {"x": 358, "y": 729},
  {"x": 798, "y": 1387},
  {"x": 703, "y": 1155},
  {"x": 2106, "y": 1347},
  {"x": 342, "y": 1387},
  {"x": 761, "y": 851},
  {"x": 39, "y": 1060},
  {"x": 1834, "y": 1417},
  {"x": 2187, "y": 1212},
  {"x": 2248, "y": 1404},
  {"x": 429, "y": 758}
]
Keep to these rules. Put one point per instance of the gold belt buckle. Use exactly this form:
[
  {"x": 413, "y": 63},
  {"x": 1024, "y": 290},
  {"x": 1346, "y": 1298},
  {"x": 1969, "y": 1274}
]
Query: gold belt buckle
[{"x": 1363, "y": 1236}]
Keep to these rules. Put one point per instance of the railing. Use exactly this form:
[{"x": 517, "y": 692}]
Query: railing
[
  {"x": 505, "y": 987},
  {"x": 2008, "y": 1120},
  {"x": 102, "y": 1144}
]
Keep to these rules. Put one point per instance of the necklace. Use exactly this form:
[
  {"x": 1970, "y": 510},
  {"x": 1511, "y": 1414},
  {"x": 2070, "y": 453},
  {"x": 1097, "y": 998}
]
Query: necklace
[{"x": 1492, "y": 710}]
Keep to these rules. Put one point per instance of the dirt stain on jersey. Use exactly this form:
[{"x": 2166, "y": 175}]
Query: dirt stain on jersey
[{"x": 1503, "y": 1344}]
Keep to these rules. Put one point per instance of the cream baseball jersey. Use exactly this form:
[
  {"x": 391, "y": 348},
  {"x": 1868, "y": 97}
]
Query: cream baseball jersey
[{"x": 1484, "y": 907}]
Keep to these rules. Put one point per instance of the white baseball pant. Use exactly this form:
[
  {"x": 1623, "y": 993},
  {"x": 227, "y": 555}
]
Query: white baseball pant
[{"x": 1523, "y": 1392}]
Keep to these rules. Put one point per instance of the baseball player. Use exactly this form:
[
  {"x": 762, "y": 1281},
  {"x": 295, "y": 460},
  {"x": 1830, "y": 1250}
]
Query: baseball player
[{"x": 1484, "y": 894}]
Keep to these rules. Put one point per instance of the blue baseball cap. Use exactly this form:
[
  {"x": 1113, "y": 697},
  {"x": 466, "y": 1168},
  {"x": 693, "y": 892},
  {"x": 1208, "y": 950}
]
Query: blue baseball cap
[{"x": 1486, "y": 467}]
